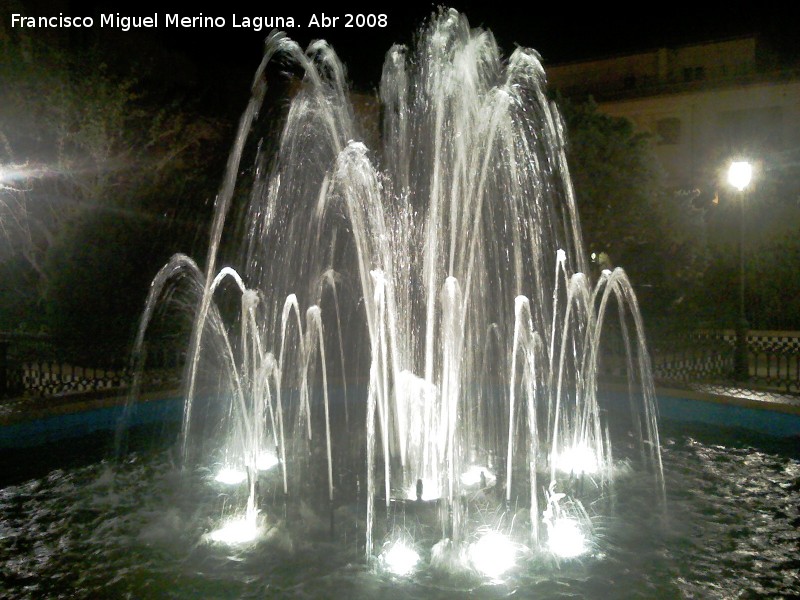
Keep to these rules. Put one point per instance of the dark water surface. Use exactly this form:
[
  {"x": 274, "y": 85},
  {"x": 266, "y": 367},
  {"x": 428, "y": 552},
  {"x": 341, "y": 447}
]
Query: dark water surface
[{"x": 731, "y": 529}]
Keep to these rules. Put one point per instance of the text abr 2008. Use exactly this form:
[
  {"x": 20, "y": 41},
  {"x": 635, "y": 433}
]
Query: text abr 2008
[{"x": 366, "y": 20}]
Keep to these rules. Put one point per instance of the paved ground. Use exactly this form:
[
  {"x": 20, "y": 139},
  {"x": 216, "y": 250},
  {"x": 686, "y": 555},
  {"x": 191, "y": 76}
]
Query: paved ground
[{"x": 768, "y": 397}]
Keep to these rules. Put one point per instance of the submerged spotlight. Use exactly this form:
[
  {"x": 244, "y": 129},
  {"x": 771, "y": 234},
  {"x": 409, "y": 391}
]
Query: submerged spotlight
[
  {"x": 237, "y": 531},
  {"x": 578, "y": 460},
  {"x": 400, "y": 559},
  {"x": 430, "y": 490},
  {"x": 493, "y": 554},
  {"x": 566, "y": 539},
  {"x": 266, "y": 460},
  {"x": 475, "y": 475},
  {"x": 230, "y": 476}
]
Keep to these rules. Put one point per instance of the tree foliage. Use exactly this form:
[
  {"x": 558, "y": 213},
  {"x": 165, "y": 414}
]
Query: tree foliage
[
  {"x": 628, "y": 216},
  {"x": 82, "y": 149}
]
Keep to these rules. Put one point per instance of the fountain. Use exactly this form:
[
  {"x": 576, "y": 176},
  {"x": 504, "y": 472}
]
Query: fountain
[
  {"x": 417, "y": 320},
  {"x": 392, "y": 379}
]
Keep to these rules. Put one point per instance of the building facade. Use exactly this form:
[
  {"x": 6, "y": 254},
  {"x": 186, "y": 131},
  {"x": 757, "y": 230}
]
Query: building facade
[{"x": 705, "y": 104}]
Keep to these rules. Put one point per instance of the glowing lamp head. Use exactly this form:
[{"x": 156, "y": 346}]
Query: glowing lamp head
[{"x": 739, "y": 174}]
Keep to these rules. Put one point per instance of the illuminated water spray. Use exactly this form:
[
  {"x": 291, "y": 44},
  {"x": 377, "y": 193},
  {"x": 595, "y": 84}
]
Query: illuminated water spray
[{"x": 442, "y": 273}]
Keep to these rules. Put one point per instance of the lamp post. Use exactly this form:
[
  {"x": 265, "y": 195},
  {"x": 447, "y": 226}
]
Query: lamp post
[{"x": 739, "y": 175}]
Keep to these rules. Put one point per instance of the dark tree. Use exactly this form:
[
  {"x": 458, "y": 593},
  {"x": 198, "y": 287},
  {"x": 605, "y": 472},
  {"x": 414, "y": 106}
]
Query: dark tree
[
  {"x": 629, "y": 218},
  {"x": 101, "y": 181}
]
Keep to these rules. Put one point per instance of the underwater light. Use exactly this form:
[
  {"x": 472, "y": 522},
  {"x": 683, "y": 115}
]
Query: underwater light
[
  {"x": 565, "y": 538},
  {"x": 579, "y": 460},
  {"x": 236, "y": 531},
  {"x": 493, "y": 554},
  {"x": 266, "y": 460},
  {"x": 476, "y": 475},
  {"x": 231, "y": 476},
  {"x": 430, "y": 491},
  {"x": 400, "y": 559}
]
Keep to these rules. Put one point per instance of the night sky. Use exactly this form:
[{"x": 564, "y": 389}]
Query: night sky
[{"x": 559, "y": 31}]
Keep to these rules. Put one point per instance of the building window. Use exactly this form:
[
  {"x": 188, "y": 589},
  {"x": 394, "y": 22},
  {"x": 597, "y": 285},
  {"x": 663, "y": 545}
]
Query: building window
[
  {"x": 669, "y": 130},
  {"x": 751, "y": 130},
  {"x": 694, "y": 74}
]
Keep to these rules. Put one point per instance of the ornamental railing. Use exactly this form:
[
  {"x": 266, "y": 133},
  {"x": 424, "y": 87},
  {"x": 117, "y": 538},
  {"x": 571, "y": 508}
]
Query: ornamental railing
[
  {"x": 33, "y": 365},
  {"x": 706, "y": 357}
]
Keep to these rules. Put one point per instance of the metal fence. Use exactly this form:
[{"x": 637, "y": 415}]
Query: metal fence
[
  {"x": 706, "y": 358},
  {"x": 34, "y": 365}
]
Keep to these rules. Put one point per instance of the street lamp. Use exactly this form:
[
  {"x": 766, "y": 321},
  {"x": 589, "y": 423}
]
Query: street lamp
[{"x": 739, "y": 175}]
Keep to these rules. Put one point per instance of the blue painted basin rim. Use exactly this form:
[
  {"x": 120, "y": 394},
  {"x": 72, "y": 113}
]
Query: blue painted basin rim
[{"x": 81, "y": 418}]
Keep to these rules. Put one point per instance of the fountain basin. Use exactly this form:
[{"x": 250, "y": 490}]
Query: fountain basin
[
  {"x": 771, "y": 414},
  {"x": 136, "y": 529},
  {"x": 79, "y": 416}
]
